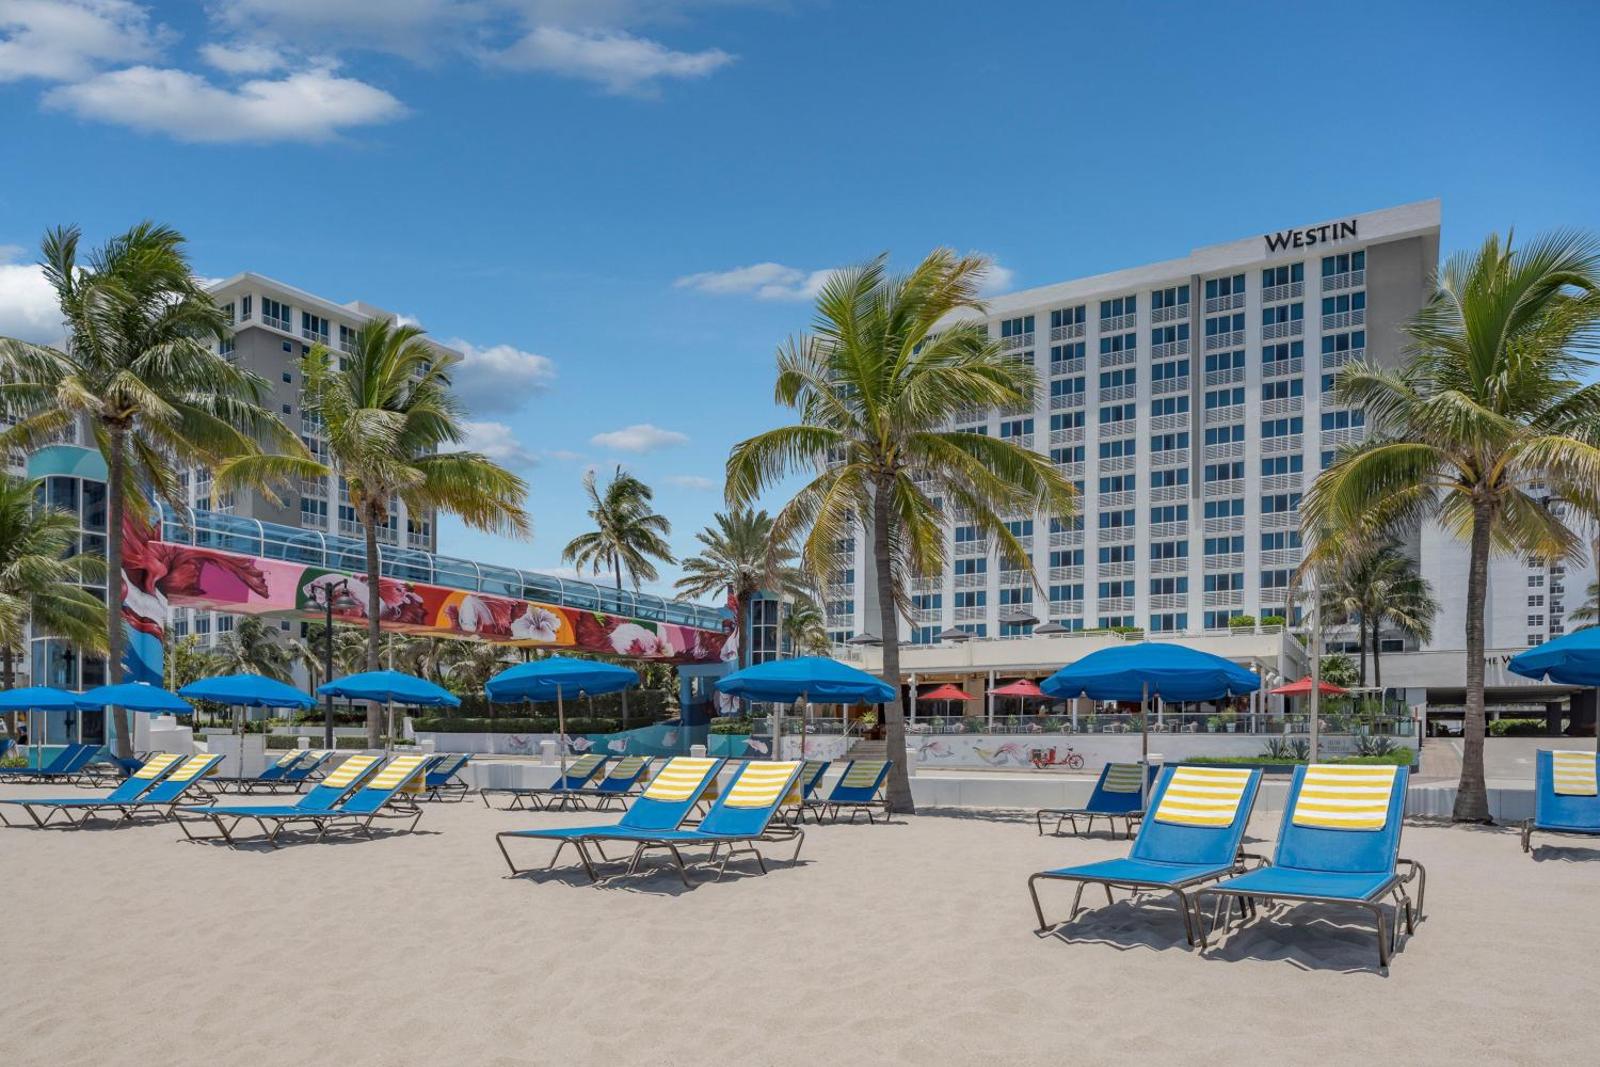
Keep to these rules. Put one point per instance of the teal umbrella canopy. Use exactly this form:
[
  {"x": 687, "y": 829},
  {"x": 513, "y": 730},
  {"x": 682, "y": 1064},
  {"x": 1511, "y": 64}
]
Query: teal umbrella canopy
[
  {"x": 543, "y": 679},
  {"x": 393, "y": 686},
  {"x": 135, "y": 696},
  {"x": 248, "y": 690},
  {"x": 38, "y": 698},
  {"x": 1150, "y": 669},
  {"x": 817, "y": 678},
  {"x": 1571, "y": 659}
]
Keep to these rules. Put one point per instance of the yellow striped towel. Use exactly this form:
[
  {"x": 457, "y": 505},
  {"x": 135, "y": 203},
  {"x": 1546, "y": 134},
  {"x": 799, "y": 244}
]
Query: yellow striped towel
[
  {"x": 156, "y": 765},
  {"x": 1345, "y": 797},
  {"x": 1202, "y": 796},
  {"x": 679, "y": 780},
  {"x": 1123, "y": 778},
  {"x": 863, "y": 773},
  {"x": 1574, "y": 773},
  {"x": 351, "y": 769},
  {"x": 584, "y": 766},
  {"x": 190, "y": 768},
  {"x": 760, "y": 783},
  {"x": 398, "y": 772}
]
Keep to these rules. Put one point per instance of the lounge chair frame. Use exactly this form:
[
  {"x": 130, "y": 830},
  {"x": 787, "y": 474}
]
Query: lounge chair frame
[
  {"x": 542, "y": 796},
  {"x": 453, "y": 789},
  {"x": 1545, "y": 795}
]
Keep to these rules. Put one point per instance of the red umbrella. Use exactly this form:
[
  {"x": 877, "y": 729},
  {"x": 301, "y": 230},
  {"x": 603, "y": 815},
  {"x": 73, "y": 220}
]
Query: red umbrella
[
  {"x": 1302, "y": 688},
  {"x": 1025, "y": 688},
  {"x": 946, "y": 692}
]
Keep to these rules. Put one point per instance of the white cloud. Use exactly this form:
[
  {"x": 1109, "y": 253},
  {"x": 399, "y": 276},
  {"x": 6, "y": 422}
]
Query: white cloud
[
  {"x": 497, "y": 379},
  {"x": 691, "y": 481},
  {"x": 28, "y": 307},
  {"x": 764, "y": 281},
  {"x": 998, "y": 279},
  {"x": 63, "y": 40},
  {"x": 572, "y": 574},
  {"x": 563, "y": 455},
  {"x": 613, "y": 59},
  {"x": 309, "y": 106},
  {"x": 640, "y": 437},
  {"x": 243, "y": 58},
  {"x": 499, "y": 442}
]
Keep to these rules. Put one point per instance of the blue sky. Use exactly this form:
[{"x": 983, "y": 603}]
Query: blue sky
[{"x": 619, "y": 205}]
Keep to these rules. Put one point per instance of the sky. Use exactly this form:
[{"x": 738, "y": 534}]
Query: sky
[{"x": 619, "y": 208}]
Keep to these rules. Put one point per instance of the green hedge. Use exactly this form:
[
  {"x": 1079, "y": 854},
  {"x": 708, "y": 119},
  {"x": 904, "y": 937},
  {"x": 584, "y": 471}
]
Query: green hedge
[
  {"x": 576, "y": 724},
  {"x": 1518, "y": 728},
  {"x": 1402, "y": 757}
]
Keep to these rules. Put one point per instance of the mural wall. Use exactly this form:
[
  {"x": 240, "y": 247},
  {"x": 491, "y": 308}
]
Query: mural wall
[{"x": 159, "y": 575}]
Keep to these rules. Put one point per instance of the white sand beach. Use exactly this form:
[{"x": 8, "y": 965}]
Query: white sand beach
[{"x": 908, "y": 943}]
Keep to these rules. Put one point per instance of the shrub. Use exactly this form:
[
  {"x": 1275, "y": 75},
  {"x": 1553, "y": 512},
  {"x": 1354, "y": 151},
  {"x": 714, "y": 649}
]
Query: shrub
[
  {"x": 576, "y": 724},
  {"x": 1240, "y": 622},
  {"x": 1273, "y": 620},
  {"x": 1517, "y": 728}
]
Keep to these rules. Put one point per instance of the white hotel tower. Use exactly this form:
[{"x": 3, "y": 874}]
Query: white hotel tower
[{"x": 1190, "y": 402}]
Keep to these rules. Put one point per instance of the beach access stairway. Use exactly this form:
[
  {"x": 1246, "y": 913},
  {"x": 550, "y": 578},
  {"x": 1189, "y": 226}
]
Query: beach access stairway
[{"x": 864, "y": 749}]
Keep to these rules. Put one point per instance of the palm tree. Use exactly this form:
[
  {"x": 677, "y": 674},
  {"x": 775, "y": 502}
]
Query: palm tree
[
  {"x": 40, "y": 580},
  {"x": 804, "y": 628},
  {"x": 253, "y": 647},
  {"x": 431, "y": 657},
  {"x": 1491, "y": 402},
  {"x": 387, "y": 410},
  {"x": 876, "y": 385},
  {"x": 138, "y": 367},
  {"x": 1588, "y": 613},
  {"x": 628, "y": 532},
  {"x": 739, "y": 559},
  {"x": 1375, "y": 586}
]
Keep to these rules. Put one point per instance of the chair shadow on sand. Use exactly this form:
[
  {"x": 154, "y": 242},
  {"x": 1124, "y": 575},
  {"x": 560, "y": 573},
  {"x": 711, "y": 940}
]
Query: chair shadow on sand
[{"x": 653, "y": 878}]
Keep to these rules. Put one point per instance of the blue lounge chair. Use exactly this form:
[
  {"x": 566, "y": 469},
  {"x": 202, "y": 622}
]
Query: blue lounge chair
[
  {"x": 270, "y": 775},
  {"x": 566, "y": 790},
  {"x": 444, "y": 779},
  {"x": 1340, "y": 844},
  {"x": 860, "y": 788},
  {"x": 621, "y": 781},
  {"x": 380, "y": 797},
  {"x": 1566, "y": 798},
  {"x": 313, "y": 765},
  {"x": 741, "y": 817},
  {"x": 322, "y": 799},
  {"x": 663, "y": 806},
  {"x": 1117, "y": 795},
  {"x": 141, "y": 782},
  {"x": 1192, "y": 837},
  {"x": 67, "y": 766},
  {"x": 811, "y": 773},
  {"x": 172, "y": 790}
]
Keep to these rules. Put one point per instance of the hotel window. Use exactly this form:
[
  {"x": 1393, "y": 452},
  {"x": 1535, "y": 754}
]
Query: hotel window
[
  {"x": 1169, "y": 477},
  {"x": 1116, "y": 520},
  {"x": 927, "y": 601},
  {"x": 244, "y": 308},
  {"x": 1169, "y": 405},
  {"x": 1229, "y": 508},
  {"x": 1343, "y": 420},
  {"x": 1224, "y": 398},
  {"x": 1108, "y": 590},
  {"x": 1535, "y": 581},
  {"x": 1343, "y": 264},
  {"x": 1224, "y": 546},
  {"x": 1169, "y": 586},
  {"x": 1116, "y": 449},
  {"x": 1065, "y": 353},
  {"x": 1219, "y": 361},
  {"x": 1170, "y": 297},
  {"x": 347, "y": 338},
  {"x": 1344, "y": 342},
  {"x": 1010, "y": 598},
  {"x": 1282, "y": 427},
  {"x": 1271, "y": 465},
  {"x": 227, "y": 311},
  {"x": 1116, "y": 554},
  {"x": 1169, "y": 550},
  {"x": 1281, "y": 313},
  {"x": 1285, "y": 275},
  {"x": 1020, "y": 528},
  {"x": 1166, "y": 335},
  {"x": 1535, "y": 620},
  {"x": 966, "y": 535},
  {"x": 1225, "y": 435},
  {"x": 1067, "y": 420},
  {"x": 1225, "y": 582},
  {"x": 1283, "y": 389},
  {"x": 1328, "y": 456},
  {"x": 1224, "y": 472},
  {"x": 1344, "y": 302},
  {"x": 1169, "y": 442},
  {"x": 1016, "y": 428},
  {"x": 1282, "y": 352},
  {"x": 1230, "y": 286},
  {"x": 1169, "y": 370},
  {"x": 274, "y": 313},
  {"x": 1169, "y": 622},
  {"x": 1112, "y": 379},
  {"x": 1067, "y": 386},
  {"x": 1122, "y": 305},
  {"x": 1279, "y": 540},
  {"x": 1222, "y": 324},
  {"x": 1118, "y": 342},
  {"x": 1119, "y": 413},
  {"x": 1067, "y": 592},
  {"x": 1071, "y": 523},
  {"x": 225, "y": 347},
  {"x": 1071, "y": 454},
  {"x": 313, "y": 327},
  {"x": 972, "y": 566},
  {"x": 1073, "y": 316},
  {"x": 1536, "y": 600},
  {"x": 1066, "y": 557},
  {"x": 1218, "y": 620},
  {"x": 975, "y": 598},
  {"x": 1279, "y": 503},
  {"x": 1119, "y": 483},
  {"x": 924, "y": 635},
  {"x": 1276, "y": 579},
  {"x": 1163, "y": 513},
  {"x": 1016, "y": 327}
]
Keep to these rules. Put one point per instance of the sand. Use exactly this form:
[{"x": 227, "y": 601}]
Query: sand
[{"x": 907, "y": 943}]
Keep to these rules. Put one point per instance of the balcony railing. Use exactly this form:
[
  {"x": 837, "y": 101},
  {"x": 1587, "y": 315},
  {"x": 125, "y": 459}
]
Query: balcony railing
[
  {"x": 1275, "y": 294},
  {"x": 1353, "y": 279},
  {"x": 1231, "y": 339},
  {"x": 1172, "y": 313},
  {"x": 1224, "y": 303},
  {"x": 1115, "y": 323},
  {"x": 1343, "y": 320},
  {"x": 1070, "y": 332},
  {"x": 1284, "y": 368}
]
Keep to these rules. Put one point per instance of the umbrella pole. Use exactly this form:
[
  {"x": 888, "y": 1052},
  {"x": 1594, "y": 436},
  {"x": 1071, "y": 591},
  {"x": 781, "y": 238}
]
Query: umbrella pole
[
  {"x": 561, "y": 732},
  {"x": 388, "y": 735},
  {"x": 777, "y": 729},
  {"x": 1144, "y": 742}
]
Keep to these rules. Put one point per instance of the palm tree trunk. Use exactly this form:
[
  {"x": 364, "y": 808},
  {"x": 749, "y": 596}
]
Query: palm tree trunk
[
  {"x": 7, "y": 681},
  {"x": 374, "y": 616},
  {"x": 116, "y": 479},
  {"x": 899, "y": 789},
  {"x": 1361, "y": 643},
  {"x": 1472, "y": 796},
  {"x": 1377, "y": 671}
]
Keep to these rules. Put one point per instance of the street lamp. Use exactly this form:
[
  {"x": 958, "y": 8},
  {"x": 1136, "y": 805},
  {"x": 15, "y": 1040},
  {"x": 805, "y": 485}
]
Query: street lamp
[{"x": 343, "y": 600}]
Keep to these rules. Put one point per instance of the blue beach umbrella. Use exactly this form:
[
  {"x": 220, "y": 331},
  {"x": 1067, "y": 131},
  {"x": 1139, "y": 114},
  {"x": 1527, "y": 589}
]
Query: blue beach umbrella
[
  {"x": 1143, "y": 669},
  {"x": 1571, "y": 659},
  {"x": 135, "y": 696},
  {"x": 247, "y": 691},
  {"x": 552, "y": 678},
  {"x": 390, "y": 686},
  {"x": 805, "y": 677},
  {"x": 37, "y": 698}
]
